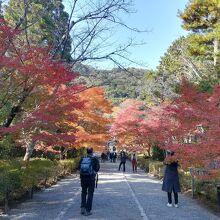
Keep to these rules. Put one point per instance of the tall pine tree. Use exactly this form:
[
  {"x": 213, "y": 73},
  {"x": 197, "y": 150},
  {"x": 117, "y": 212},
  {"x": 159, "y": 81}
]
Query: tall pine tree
[{"x": 202, "y": 17}]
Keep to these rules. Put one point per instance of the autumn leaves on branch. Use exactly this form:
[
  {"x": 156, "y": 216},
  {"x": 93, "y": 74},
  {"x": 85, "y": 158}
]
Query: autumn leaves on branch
[
  {"x": 188, "y": 125},
  {"x": 41, "y": 103}
]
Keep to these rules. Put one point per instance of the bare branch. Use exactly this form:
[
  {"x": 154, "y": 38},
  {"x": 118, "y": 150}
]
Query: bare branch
[{"x": 90, "y": 24}]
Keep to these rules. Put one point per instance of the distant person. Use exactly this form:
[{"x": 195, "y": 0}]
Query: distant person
[
  {"x": 89, "y": 166},
  {"x": 103, "y": 157},
  {"x": 171, "y": 182},
  {"x": 123, "y": 161},
  {"x": 134, "y": 162},
  {"x": 108, "y": 155},
  {"x": 114, "y": 157},
  {"x": 111, "y": 157}
]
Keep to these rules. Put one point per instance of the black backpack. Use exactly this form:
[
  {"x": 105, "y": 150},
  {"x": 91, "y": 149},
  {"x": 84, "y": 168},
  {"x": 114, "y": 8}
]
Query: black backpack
[{"x": 86, "y": 168}]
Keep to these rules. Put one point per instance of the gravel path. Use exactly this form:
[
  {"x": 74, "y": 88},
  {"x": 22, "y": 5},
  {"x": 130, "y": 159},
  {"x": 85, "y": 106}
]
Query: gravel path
[{"x": 119, "y": 196}]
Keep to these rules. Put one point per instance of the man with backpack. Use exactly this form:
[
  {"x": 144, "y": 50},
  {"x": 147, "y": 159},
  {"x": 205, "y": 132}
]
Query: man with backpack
[{"x": 89, "y": 166}]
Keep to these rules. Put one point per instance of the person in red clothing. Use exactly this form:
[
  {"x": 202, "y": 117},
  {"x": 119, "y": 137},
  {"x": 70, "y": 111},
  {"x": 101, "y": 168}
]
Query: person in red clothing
[{"x": 134, "y": 162}]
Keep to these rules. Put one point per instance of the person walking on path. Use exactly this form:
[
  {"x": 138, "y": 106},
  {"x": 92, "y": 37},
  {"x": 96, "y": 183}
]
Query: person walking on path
[
  {"x": 123, "y": 161},
  {"x": 171, "y": 181},
  {"x": 134, "y": 162},
  {"x": 103, "y": 157},
  {"x": 89, "y": 166},
  {"x": 114, "y": 156}
]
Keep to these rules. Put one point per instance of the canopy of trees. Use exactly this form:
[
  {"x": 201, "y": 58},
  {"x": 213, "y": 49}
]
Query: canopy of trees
[
  {"x": 180, "y": 105},
  {"x": 40, "y": 102},
  {"x": 47, "y": 104}
]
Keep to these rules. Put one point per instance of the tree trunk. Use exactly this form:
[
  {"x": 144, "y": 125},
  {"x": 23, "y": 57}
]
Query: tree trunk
[
  {"x": 29, "y": 151},
  {"x": 216, "y": 49},
  {"x": 62, "y": 153},
  {"x": 17, "y": 108},
  {"x": 148, "y": 151},
  {"x": 6, "y": 202},
  {"x": 216, "y": 54}
]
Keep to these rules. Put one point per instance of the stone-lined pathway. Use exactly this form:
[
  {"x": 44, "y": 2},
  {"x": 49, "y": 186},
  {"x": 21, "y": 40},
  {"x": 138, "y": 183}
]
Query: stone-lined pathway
[{"x": 119, "y": 196}]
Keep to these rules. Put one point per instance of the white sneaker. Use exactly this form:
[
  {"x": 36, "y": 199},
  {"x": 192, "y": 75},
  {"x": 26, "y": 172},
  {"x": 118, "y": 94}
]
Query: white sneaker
[
  {"x": 176, "y": 206},
  {"x": 169, "y": 205}
]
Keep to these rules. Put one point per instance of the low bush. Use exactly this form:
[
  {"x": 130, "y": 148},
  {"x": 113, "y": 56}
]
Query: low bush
[
  {"x": 18, "y": 177},
  {"x": 156, "y": 168},
  {"x": 69, "y": 165},
  {"x": 10, "y": 172},
  {"x": 206, "y": 190},
  {"x": 185, "y": 180},
  {"x": 143, "y": 163},
  {"x": 151, "y": 166}
]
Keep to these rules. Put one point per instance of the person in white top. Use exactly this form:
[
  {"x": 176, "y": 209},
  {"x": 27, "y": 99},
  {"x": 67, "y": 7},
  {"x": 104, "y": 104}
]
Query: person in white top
[{"x": 134, "y": 162}]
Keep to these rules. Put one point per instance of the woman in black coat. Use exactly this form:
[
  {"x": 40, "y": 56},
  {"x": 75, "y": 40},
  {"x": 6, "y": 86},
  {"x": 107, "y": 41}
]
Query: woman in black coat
[{"x": 171, "y": 182}]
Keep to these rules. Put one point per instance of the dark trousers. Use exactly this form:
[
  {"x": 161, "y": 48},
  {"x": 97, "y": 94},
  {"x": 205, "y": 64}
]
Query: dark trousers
[
  {"x": 88, "y": 185},
  {"x": 169, "y": 195},
  {"x": 122, "y": 163}
]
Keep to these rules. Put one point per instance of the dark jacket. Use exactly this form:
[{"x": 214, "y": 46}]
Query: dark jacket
[
  {"x": 123, "y": 157},
  {"x": 95, "y": 165},
  {"x": 171, "y": 178}
]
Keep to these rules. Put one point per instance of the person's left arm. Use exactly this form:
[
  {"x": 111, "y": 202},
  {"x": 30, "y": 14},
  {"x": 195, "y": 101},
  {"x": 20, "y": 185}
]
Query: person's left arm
[{"x": 79, "y": 164}]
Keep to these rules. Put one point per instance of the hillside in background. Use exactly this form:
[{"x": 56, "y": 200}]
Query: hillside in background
[{"x": 119, "y": 84}]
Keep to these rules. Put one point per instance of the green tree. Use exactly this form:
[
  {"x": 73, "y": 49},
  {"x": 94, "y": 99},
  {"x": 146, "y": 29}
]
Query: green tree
[
  {"x": 178, "y": 61},
  {"x": 42, "y": 23},
  {"x": 1, "y": 12},
  {"x": 158, "y": 87},
  {"x": 202, "y": 17},
  {"x": 157, "y": 153}
]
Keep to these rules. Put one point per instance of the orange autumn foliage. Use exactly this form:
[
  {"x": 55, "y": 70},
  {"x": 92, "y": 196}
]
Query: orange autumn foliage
[{"x": 94, "y": 120}]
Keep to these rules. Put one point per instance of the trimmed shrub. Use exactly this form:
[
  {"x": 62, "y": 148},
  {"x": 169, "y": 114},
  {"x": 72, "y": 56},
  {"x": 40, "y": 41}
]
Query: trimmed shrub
[
  {"x": 150, "y": 166},
  {"x": 207, "y": 190},
  {"x": 143, "y": 163},
  {"x": 69, "y": 165},
  {"x": 19, "y": 177},
  {"x": 10, "y": 177},
  {"x": 156, "y": 168},
  {"x": 185, "y": 180}
]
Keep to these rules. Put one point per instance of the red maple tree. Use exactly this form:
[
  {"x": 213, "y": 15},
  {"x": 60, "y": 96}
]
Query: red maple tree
[
  {"x": 189, "y": 126},
  {"x": 126, "y": 125},
  {"x": 38, "y": 94},
  {"x": 196, "y": 139}
]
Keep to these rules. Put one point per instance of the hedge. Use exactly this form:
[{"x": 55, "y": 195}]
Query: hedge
[{"x": 18, "y": 177}]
